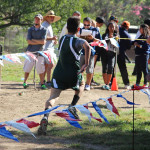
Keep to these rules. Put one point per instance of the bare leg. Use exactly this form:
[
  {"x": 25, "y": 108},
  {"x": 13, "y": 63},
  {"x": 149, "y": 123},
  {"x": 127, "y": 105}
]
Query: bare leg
[
  {"x": 41, "y": 78},
  {"x": 109, "y": 76},
  {"x": 26, "y": 75},
  {"x": 49, "y": 70},
  {"x": 89, "y": 78},
  {"x": 105, "y": 78},
  {"x": 54, "y": 95}
]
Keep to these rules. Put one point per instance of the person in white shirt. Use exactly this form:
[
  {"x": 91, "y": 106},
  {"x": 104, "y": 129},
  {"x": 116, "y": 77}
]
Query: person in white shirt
[
  {"x": 50, "y": 41},
  {"x": 64, "y": 30}
]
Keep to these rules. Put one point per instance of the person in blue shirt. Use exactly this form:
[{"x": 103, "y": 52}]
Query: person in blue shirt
[
  {"x": 93, "y": 36},
  {"x": 142, "y": 54},
  {"x": 124, "y": 45}
]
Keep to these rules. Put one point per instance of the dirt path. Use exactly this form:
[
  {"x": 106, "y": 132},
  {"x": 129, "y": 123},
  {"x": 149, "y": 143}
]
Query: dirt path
[{"x": 13, "y": 106}]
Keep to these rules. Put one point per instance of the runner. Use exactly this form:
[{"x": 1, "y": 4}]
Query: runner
[{"x": 67, "y": 73}]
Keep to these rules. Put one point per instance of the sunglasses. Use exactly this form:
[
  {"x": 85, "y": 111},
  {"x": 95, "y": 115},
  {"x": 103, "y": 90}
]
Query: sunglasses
[{"x": 86, "y": 24}]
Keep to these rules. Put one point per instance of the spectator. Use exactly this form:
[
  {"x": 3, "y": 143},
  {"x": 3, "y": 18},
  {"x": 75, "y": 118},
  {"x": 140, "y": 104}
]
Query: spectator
[
  {"x": 48, "y": 19},
  {"x": 36, "y": 38},
  {"x": 99, "y": 23},
  {"x": 108, "y": 57},
  {"x": 142, "y": 54},
  {"x": 64, "y": 30},
  {"x": 95, "y": 36},
  {"x": 124, "y": 45}
]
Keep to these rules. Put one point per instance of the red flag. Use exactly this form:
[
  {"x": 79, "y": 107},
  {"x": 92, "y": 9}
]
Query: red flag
[
  {"x": 48, "y": 55},
  {"x": 66, "y": 116},
  {"x": 135, "y": 87},
  {"x": 98, "y": 119},
  {"x": 32, "y": 55},
  {"x": 30, "y": 124},
  {"x": 114, "y": 108}
]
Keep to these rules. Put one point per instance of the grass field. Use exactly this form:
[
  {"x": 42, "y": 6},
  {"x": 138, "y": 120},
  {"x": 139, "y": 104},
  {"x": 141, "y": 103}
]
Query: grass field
[
  {"x": 117, "y": 135},
  {"x": 14, "y": 72}
]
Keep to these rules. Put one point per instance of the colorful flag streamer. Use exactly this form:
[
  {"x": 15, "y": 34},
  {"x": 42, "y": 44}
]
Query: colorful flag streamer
[
  {"x": 98, "y": 110},
  {"x": 66, "y": 116},
  {"x": 83, "y": 110},
  {"x": 98, "y": 119},
  {"x": 113, "y": 106},
  {"x": 30, "y": 124},
  {"x": 7, "y": 134},
  {"x": 44, "y": 112},
  {"x": 32, "y": 55},
  {"x": 20, "y": 126},
  {"x": 73, "y": 123},
  {"x": 128, "y": 102}
]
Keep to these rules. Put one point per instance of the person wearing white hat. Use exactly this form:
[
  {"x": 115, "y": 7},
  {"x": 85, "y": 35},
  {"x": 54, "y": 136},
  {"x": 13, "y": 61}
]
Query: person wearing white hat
[{"x": 48, "y": 19}]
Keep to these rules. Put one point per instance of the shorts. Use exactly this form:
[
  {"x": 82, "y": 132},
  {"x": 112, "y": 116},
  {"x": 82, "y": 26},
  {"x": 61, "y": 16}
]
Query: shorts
[
  {"x": 53, "y": 57},
  {"x": 60, "y": 84},
  {"x": 40, "y": 67},
  {"x": 90, "y": 68}
]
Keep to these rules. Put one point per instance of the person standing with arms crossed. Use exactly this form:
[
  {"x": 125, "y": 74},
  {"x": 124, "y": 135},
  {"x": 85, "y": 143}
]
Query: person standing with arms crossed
[
  {"x": 67, "y": 73},
  {"x": 36, "y": 39}
]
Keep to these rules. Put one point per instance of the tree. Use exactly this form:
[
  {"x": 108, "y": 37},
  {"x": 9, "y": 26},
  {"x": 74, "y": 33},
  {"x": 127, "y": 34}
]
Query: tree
[{"x": 21, "y": 12}]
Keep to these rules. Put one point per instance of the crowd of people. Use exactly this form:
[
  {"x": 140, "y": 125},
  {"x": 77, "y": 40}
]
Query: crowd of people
[{"x": 76, "y": 55}]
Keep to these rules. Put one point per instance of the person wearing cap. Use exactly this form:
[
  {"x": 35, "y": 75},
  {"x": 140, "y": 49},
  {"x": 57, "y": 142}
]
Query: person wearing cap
[
  {"x": 36, "y": 38},
  {"x": 95, "y": 36},
  {"x": 114, "y": 20},
  {"x": 48, "y": 19},
  {"x": 64, "y": 30},
  {"x": 67, "y": 73},
  {"x": 124, "y": 45}
]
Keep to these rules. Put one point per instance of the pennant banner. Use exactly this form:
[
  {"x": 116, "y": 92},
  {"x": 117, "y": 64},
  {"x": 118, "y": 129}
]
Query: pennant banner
[
  {"x": 7, "y": 134},
  {"x": 128, "y": 102},
  {"x": 98, "y": 110}
]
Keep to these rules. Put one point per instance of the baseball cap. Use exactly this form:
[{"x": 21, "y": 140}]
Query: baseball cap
[
  {"x": 77, "y": 12},
  {"x": 39, "y": 16},
  {"x": 126, "y": 23},
  {"x": 100, "y": 19},
  {"x": 113, "y": 18}
]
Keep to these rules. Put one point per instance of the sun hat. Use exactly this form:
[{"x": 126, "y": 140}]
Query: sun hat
[
  {"x": 39, "y": 16},
  {"x": 126, "y": 24},
  {"x": 51, "y": 13}
]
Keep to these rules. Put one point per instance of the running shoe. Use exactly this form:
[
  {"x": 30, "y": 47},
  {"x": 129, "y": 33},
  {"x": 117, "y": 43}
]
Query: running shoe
[
  {"x": 87, "y": 87},
  {"x": 43, "y": 87},
  {"x": 25, "y": 85},
  {"x": 73, "y": 111},
  {"x": 42, "y": 130}
]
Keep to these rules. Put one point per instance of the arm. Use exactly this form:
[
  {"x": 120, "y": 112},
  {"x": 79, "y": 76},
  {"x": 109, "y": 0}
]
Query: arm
[
  {"x": 36, "y": 42},
  {"x": 148, "y": 40},
  {"x": 87, "y": 49}
]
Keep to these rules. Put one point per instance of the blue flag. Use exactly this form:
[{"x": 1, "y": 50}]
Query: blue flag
[
  {"x": 6, "y": 133},
  {"x": 128, "y": 102},
  {"x": 98, "y": 110},
  {"x": 73, "y": 123},
  {"x": 40, "y": 52},
  {"x": 44, "y": 112}
]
